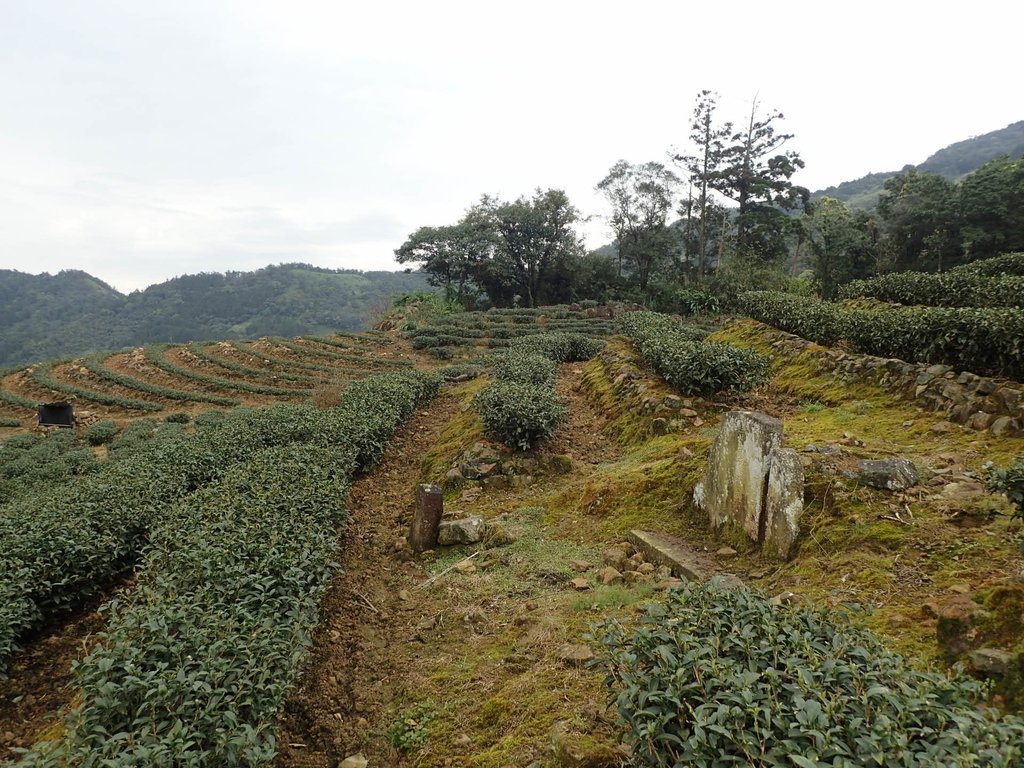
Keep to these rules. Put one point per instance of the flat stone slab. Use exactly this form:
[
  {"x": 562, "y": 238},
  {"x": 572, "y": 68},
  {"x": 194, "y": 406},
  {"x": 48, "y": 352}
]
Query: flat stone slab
[{"x": 662, "y": 550}]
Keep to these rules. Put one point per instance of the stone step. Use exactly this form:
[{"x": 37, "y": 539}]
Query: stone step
[{"x": 662, "y": 550}]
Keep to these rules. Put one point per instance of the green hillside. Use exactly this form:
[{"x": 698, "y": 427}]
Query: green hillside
[
  {"x": 952, "y": 162},
  {"x": 70, "y": 313}
]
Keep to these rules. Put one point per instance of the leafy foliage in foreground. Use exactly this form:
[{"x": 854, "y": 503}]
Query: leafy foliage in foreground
[
  {"x": 982, "y": 340},
  {"x": 520, "y": 415},
  {"x": 198, "y": 660},
  {"x": 689, "y": 364},
  {"x": 720, "y": 677}
]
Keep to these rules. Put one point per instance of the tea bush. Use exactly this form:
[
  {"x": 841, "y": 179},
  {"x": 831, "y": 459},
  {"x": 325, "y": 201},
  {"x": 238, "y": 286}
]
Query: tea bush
[
  {"x": 720, "y": 677},
  {"x": 819, "y": 321},
  {"x": 1007, "y": 264},
  {"x": 199, "y": 659},
  {"x": 95, "y": 366},
  {"x": 43, "y": 376},
  {"x": 982, "y": 340},
  {"x": 155, "y": 355},
  {"x": 946, "y": 289},
  {"x": 101, "y": 432},
  {"x": 518, "y": 414},
  {"x": 560, "y": 347},
  {"x": 524, "y": 367},
  {"x": 689, "y": 365}
]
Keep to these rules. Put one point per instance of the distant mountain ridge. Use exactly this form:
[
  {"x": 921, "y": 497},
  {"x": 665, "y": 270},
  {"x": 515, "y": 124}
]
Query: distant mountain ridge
[
  {"x": 953, "y": 162},
  {"x": 72, "y": 313}
]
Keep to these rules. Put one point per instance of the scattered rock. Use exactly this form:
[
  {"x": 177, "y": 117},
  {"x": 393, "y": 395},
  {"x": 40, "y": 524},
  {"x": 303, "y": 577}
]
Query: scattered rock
[
  {"x": 961, "y": 589},
  {"x": 462, "y": 740},
  {"x": 474, "y": 616},
  {"x": 729, "y": 580},
  {"x": 634, "y": 577},
  {"x": 404, "y": 595},
  {"x": 618, "y": 555},
  {"x": 646, "y": 568},
  {"x": 580, "y": 584},
  {"x": 954, "y": 630},
  {"x": 576, "y": 655},
  {"x": 609, "y": 576},
  {"x": 726, "y": 552},
  {"x": 454, "y": 478},
  {"x": 661, "y": 550},
  {"x": 577, "y": 751},
  {"x": 991, "y": 661},
  {"x": 354, "y": 761},
  {"x": 784, "y": 597},
  {"x": 941, "y": 427},
  {"x": 580, "y": 566},
  {"x": 469, "y": 530},
  {"x": 896, "y": 474},
  {"x": 498, "y": 535}
]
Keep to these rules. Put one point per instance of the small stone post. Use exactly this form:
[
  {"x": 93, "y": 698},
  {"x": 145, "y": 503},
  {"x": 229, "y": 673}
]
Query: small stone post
[{"x": 427, "y": 517}]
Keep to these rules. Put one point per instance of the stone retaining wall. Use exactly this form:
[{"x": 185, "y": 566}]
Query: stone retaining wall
[{"x": 977, "y": 402}]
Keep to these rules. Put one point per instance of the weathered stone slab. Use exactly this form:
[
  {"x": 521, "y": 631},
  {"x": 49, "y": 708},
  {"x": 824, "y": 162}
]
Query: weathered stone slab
[
  {"x": 663, "y": 551},
  {"x": 426, "y": 518},
  {"x": 733, "y": 488},
  {"x": 784, "y": 503}
]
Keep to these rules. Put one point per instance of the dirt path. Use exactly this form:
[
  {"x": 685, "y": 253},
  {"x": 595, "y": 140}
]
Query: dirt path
[
  {"x": 349, "y": 679},
  {"x": 466, "y": 671},
  {"x": 36, "y": 690}
]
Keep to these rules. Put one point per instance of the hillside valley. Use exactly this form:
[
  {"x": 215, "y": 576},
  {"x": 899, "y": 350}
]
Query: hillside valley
[{"x": 72, "y": 313}]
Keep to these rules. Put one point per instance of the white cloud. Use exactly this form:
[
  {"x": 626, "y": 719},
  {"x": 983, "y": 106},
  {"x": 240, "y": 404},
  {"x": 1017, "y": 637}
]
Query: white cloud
[{"x": 142, "y": 140}]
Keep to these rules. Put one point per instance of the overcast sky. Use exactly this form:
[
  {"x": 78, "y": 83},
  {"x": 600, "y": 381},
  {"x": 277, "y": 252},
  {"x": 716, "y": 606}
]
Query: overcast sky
[{"x": 140, "y": 140}]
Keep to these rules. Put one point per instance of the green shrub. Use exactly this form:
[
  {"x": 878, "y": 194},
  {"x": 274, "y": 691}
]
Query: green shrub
[
  {"x": 720, "y": 677},
  {"x": 818, "y": 321},
  {"x": 210, "y": 418},
  {"x": 1007, "y": 264},
  {"x": 178, "y": 418},
  {"x": 524, "y": 367},
  {"x": 7, "y": 421},
  {"x": 693, "y": 301},
  {"x": 520, "y": 415},
  {"x": 560, "y": 347},
  {"x": 442, "y": 353},
  {"x": 101, "y": 432},
  {"x": 197, "y": 661},
  {"x": 692, "y": 366},
  {"x": 947, "y": 289},
  {"x": 1009, "y": 481},
  {"x": 983, "y": 340}
]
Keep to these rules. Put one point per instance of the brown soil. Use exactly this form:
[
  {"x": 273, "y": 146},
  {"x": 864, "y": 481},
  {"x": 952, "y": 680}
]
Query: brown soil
[
  {"x": 351, "y": 674},
  {"x": 36, "y": 690}
]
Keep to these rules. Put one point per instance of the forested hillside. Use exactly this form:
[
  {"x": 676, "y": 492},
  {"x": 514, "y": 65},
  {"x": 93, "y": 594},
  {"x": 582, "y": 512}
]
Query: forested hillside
[
  {"x": 45, "y": 316},
  {"x": 952, "y": 162}
]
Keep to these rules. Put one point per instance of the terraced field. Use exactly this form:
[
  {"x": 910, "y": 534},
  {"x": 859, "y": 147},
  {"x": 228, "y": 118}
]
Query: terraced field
[{"x": 194, "y": 377}]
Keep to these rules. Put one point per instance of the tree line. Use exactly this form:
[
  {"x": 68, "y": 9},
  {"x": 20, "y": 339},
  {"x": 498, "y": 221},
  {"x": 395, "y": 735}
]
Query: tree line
[{"x": 719, "y": 217}]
